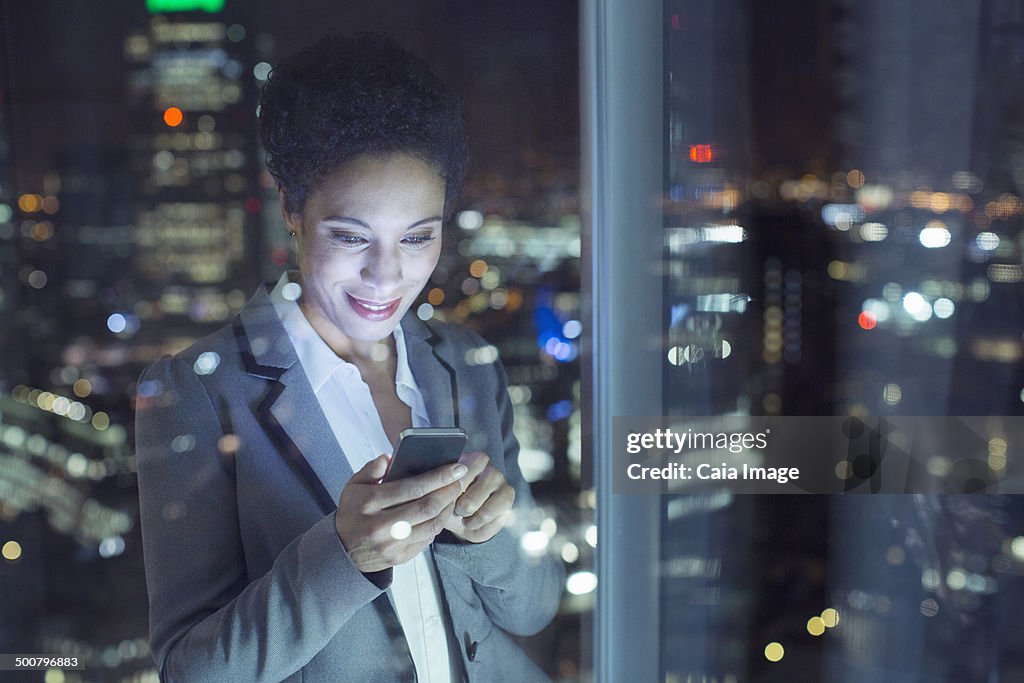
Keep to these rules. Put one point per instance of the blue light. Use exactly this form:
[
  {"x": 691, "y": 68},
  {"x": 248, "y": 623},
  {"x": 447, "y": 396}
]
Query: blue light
[
  {"x": 560, "y": 411},
  {"x": 116, "y": 323}
]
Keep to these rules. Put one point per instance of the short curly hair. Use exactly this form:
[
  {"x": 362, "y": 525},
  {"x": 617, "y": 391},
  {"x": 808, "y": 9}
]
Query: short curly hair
[{"x": 347, "y": 97}]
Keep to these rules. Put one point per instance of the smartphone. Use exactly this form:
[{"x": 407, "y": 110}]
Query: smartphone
[{"x": 425, "y": 448}]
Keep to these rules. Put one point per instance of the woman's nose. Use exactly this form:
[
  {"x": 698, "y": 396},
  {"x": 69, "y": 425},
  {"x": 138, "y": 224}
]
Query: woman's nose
[{"x": 382, "y": 271}]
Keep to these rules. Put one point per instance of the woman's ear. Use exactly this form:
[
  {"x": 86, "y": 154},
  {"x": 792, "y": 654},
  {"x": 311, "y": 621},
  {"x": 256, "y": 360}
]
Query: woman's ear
[{"x": 292, "y": 220}]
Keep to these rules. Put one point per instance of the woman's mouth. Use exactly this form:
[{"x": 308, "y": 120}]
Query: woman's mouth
[{"x": 373, "y": 310}]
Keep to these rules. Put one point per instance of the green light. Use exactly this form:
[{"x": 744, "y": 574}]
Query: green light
[{"x": 162, "y": 6}]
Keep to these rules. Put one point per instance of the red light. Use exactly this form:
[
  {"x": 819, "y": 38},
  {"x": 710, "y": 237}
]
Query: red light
[
  {"x": 867, "y": 321},
  {"x": 253, "y": 204},
  {"x": 702, "y": 154}
]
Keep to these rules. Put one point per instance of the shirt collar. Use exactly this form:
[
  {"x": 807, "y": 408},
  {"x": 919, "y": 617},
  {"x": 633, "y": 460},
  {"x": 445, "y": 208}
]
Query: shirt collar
[{"x": 319, "y": 361}]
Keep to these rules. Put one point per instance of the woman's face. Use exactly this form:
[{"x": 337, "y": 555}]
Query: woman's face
[{"x": 368, "y": 240}]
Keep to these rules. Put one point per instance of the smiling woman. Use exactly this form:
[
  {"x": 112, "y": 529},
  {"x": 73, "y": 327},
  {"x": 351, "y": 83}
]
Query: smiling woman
[
  {"x": 368, "y": 240},
  {"x": 311, "y": 567}
]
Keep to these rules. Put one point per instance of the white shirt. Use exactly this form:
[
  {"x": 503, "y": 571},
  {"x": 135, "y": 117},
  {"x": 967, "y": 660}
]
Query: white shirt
[{"x": 348, "y": 404}]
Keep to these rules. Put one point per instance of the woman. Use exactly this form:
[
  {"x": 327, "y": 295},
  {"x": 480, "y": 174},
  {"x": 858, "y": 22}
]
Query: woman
[{"x": 272, "y": 550}]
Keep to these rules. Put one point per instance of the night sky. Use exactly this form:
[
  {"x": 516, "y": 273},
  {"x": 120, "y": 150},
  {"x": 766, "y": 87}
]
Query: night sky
[{"x": 515, "y": 63}]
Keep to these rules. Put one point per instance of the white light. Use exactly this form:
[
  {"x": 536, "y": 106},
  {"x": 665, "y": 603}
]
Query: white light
[
  {"x": 873, "y": 232},
  {"x": 572, "y": 329},
  {"x": 570, "y": 553},
  {"x": 77, "y": 411},
  {"x": 483, "y": 355},
  {"x": 549, "y": 526},
  {"x": 930, "y": 579},
  {"x": 425, "y": 311},
  {"x": 534, "y": 542},
  {"x": 470, "y": 220},
  {"x": 61, "y": 405},
  {"x": 956, "y": 579},
  {"x": 1017, "y": 548},
  {"x": 116, "y": 323},
  {"x": 292, "y": 291},
  {"x": 591, "y": 536},
  {"x": 206, "y": 363},
  {"x": 109, "y": 547},
  {"x": 842, "y": 215},
  {"x": 581, "y": 583},
  {"x": 917, "y": 306},
  {"x": 935, "y": 235},
  {"x": 943, "y": 308},
  {"x": 677, "y": 239},
  {"x": 877, "y": 308},
  {"x": 77, "y": 465},
  {"x": 892, "y": 393},
  {"x": 535, "y": 464},
  {"x": 261, "y": 71},
  {"x": 401, "y": 530},
  {"x": 987, "y": 241}
]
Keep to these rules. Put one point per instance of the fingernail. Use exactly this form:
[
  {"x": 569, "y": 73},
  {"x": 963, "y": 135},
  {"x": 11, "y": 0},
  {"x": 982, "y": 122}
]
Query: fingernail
[{"x": 459, "y": 471}]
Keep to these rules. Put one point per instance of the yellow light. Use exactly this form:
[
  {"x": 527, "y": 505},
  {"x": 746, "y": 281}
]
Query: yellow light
[
  {"x": 46, "y": 400},
  {"x": 837, "y": 270},
  {"x": 436, "y": 296},
  {"x": 228, "y": 444},
  {"x": 939, "y": 202},
  {"x": 82, "y": 388},
  {"x": 815, "y": 626},
  {"x": 42, "y": 231},
  {"x": 774, "y": 652},
  {"x": 997, "y": 454},
  {"x": 101, "y": 421},
  {"x": 855, "y": 179},
  {"x": 11, "y": 550},
  {"x": 478, "y": 268},
  {"x": 30, "y": 203},
  {"x": 830, "y": 618},
  {"x": 515, "y": 299},
  {"x": 920, "y": 199}
]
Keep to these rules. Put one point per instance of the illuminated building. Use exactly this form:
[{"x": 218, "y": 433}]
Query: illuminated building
[{"x": 193, "y": 152}]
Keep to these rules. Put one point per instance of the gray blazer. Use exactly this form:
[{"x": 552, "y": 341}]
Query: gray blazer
[{"x": 239, "y": 476}]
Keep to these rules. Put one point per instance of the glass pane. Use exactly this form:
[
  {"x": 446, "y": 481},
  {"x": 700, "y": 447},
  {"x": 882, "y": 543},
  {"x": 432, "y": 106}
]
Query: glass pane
[{"x": 840, "y": 236}]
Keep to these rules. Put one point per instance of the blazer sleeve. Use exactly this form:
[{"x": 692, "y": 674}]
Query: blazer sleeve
[
  {"x": 208, "y": 619},
  {"x": 520, "y": 593}
]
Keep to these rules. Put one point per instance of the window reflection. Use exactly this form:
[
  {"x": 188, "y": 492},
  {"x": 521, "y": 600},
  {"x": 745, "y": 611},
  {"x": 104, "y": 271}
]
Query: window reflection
[{"x": 842, "y": 230}]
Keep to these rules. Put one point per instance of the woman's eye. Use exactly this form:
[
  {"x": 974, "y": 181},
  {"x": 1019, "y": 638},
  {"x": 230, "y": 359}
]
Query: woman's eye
[
  {"x": 418, "y": 240},
  {"x": 348, "y": 239}
]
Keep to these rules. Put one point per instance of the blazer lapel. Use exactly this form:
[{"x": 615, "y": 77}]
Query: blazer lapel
[
  {"x": 431, "y": 364},
  {"x": 290, "y": 411}
]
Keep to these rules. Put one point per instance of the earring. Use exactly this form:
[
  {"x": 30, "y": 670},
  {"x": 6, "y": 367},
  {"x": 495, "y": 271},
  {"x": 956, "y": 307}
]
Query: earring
[{"x": 292, "y": 233}]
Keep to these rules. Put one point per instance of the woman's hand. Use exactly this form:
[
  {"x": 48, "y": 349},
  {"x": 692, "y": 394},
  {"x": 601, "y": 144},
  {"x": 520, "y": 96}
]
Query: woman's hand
[
  {"x": 385, "y": 524},
  {"x": 486, "y": 502}
]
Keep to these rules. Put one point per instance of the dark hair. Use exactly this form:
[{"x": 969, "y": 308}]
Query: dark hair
[{"x": 362, "y": 95}]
